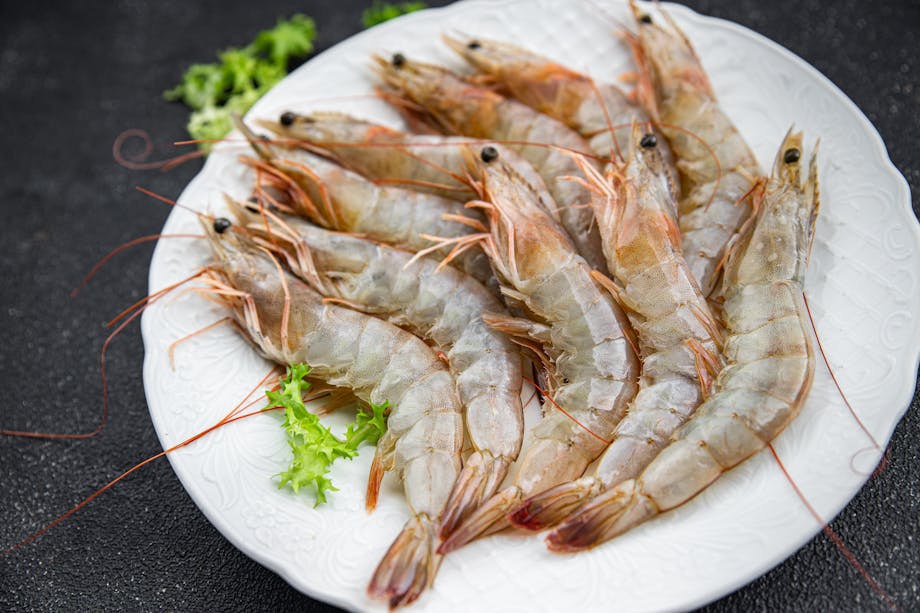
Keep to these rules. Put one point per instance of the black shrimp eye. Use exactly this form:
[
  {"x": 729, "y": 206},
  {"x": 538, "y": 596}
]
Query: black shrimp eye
[
  {"x": 488, "y": 154},
  {"x": 287, "y": 118},
  {"x": 221, "y": 224},
  {"x": 473, "y": 44},
  {"x": 398, "y": 59},
  {"x": 648, "y": 141},
  {"x": 645, "y": 19},
  {"x": 792, "y": 155}
]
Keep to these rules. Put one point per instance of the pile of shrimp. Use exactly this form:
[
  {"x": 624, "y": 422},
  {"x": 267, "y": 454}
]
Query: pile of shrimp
[{"x": 624, "y": 250}]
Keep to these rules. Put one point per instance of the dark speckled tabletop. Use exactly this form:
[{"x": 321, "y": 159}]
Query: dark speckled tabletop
[{"x": 71, "y": 80}]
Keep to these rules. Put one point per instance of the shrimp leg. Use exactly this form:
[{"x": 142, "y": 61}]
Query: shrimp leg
[
  {"x": 770, "y": 359},
  {"x": 289, "y": 323},
  {"x": 444, "y": 306},
  {"x": 677, "y": 334},
  {"x": 577, "y": 330}
]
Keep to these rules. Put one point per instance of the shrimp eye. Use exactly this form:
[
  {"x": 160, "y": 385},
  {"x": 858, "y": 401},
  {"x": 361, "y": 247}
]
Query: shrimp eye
[
  {"x": 648, "y": 141},
  {"x": 645, "y": 19},
  {"x": 221, "y": 224},
  {"x": 398, "y": 59},
  {"x": 792, "y": 155},
  {"x": 251, "y": 209},
  {"x": 473, "y": 44},
  {"x": 287, "y": 118},
  {"x": 488, "y": 154}
]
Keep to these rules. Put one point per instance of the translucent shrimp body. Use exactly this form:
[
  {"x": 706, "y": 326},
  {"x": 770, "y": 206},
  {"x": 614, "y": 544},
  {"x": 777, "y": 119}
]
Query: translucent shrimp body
[
  {"x": 427, "y": 163},
  {"x": 289, "y": 323},
  {"x": 340, "y": 199},
  {"x": 575, "y": 329},
  {"x": 671, "y": 318},
  {"x": 456, "y": 106},
  {"x": 444, "y": 306},
  {"x": 592, "y": 109},
  {"x": 769, "y": 373},
  {"x": 717, "y": 168}
]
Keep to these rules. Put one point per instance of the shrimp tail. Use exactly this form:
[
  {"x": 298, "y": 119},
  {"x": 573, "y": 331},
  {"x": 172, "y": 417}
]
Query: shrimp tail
[
  {"x": 481, "y": 475},
  {"x": 409, "y": 565},
  {"x": 609, "y": 514},
  {"x": 487, "y": 519},
  {"x": 554, "y": 505}
]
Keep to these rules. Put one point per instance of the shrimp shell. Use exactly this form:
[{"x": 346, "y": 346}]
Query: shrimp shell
[
  {"x": 770, "y": 358},
  {"x": 676, "y": 332},
  {"x": 576, "y": 329},
  {"x": 427, "y": 163},
  {"x": 379, "y": 362},
  {"x": 444, "y": 306},
  {"x": 717, "y": 168},
  {"x": 600, "y": 112},
  {"x": 457, "y": 106},
  {"x": 339, "y": 199}
]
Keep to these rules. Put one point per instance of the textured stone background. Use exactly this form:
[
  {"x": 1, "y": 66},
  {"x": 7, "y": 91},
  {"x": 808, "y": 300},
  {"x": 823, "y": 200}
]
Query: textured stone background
[{"x": 70, "y": 82}]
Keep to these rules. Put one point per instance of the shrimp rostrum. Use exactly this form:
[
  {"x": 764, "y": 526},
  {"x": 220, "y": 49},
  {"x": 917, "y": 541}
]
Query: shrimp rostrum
[
  {"x": 574, "y": 328},
  {"x": 770, "y": 364},
  {"x": 290, "y": 323},
  {"x": 443, "y": 306},
  {"x": 676, "y": 333}
]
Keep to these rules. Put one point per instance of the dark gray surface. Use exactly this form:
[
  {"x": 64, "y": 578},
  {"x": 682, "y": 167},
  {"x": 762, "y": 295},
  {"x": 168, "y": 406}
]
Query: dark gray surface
[{"x": 70, "y": 81}]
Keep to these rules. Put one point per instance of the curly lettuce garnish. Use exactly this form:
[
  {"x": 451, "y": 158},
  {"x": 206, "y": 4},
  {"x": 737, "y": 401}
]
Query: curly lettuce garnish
[
  {"x": 215, "y": 91},
  {"x": 313, "y": 445},
  {"x": 379, "y": 11}
]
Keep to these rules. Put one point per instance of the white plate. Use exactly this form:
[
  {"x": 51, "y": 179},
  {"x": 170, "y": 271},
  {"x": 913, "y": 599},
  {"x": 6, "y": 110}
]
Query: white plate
[{"x": 862, "y": 283}]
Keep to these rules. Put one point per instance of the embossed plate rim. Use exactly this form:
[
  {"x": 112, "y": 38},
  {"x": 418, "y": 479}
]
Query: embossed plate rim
[{"x": 288, "y": 571}]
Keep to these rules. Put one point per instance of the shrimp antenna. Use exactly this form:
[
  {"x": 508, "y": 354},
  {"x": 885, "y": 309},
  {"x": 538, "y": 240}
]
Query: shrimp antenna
[
  {"x": 139, "y": 161},
  {"x": 126, "y": 245},
  {"x": 142, "y": 304},
  {"x": 859, "y": 421},
  {"x": 566, "y": 413},
  {"x": 233, "y": 415},
  {"x": 835, "y": 538}
]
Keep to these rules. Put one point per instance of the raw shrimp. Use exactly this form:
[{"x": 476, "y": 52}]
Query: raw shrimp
[
  {"x": 717, "y": 168},
  {"x": 289, "y": 323},
  {"x": 433, "y": 164},
  {"x": 339, "y": 199},
  {"x": 770, "y": 361},
  {"x": 676, "y": 333},
  {"x": 575, "y": 329},
  {"x": 444, "y": 306},
  {"x": 457, "y": 106},
  {"x": 600, "y": 112}
]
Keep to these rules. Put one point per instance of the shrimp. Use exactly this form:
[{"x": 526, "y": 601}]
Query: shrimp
[
  {"x": 443, "y": 306},
  {"x": 600, "y": 112},
  {"x": 289, "y": 323},
  {"x": 770, "y": 364},
  {"x": 339, "y": 199},
  {"x": 717, "y": 168},
  {"x": 432, "y": 164},
  {"x": 575, "y": 329},
  {"x": 457, "y": 106},
  {"x": 677, "y": 334}
]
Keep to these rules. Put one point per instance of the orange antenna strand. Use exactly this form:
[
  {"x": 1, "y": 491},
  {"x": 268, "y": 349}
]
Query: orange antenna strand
[
  {"x": 862, "y": 426},
  {"x": 566, "y": 413},
  {"x": 229, "y": 418},
  {"x": 835, "y": 538},
  {"x": 137, "y": 241},
  {"x": 138, "y": 162}
]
